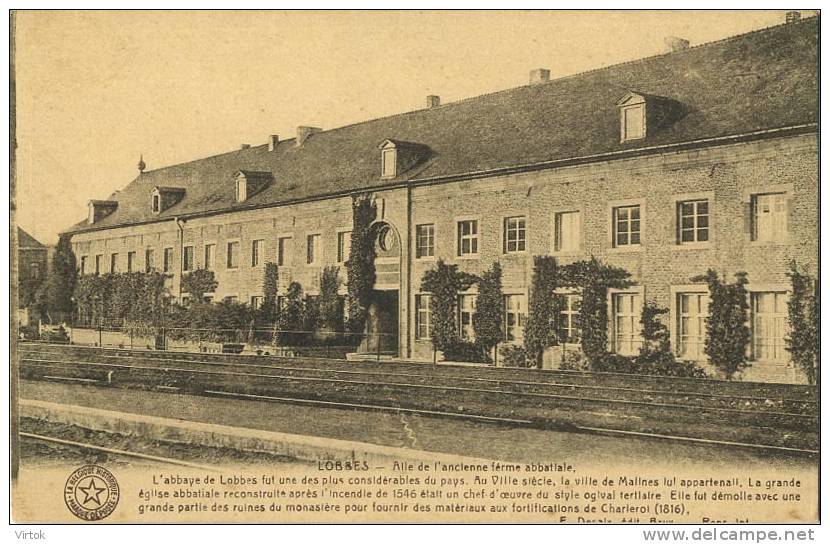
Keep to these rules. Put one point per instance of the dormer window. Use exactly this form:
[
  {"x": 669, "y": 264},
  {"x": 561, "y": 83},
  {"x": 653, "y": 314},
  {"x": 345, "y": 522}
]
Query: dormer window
[
  {"x": 162, "y": 198},
  {"x": 250, "y": 182},
  {"x": 632, "y": 117},
  {"x": 99, "y": 209},
  {"x": 389, "y": 158}
]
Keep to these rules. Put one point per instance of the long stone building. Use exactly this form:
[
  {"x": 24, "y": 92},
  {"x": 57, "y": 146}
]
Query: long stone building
[{"x": 702, "y": 157}]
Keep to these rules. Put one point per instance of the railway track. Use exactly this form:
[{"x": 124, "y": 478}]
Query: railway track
[{"x": 484, "y": 396}]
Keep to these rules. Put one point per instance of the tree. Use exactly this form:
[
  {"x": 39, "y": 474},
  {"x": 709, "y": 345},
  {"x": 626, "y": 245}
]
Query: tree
[
  {"x": 290, "y": 318},
  {"x": 444, "y": 283},
  {"x": 360, "y": 268},
  {"x": 543, "y": 310},
  {"x": 727, "y": 332},
  {"x": 593, "y": 279},
  {"x": 199, "y": 282},
  {"x": 489, "y": 316},
  {"x": 802, "y": 316},
  {"x": 329, "y": 304},
  {"x": 61, "y": 280},
  {"x": 270, "y": 289}
]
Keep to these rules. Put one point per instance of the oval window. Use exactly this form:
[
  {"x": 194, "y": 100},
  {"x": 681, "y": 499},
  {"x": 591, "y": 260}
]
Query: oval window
[{"x": 386, "y": 238}]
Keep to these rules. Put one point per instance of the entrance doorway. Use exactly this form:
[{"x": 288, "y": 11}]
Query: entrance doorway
[{"x": 382, "y": 324}]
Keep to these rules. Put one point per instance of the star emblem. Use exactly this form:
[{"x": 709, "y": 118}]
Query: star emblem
[{"x": 92, "y": 492}]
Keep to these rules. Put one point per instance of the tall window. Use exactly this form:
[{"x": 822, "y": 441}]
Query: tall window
[
  {"x": 156, "y": 203},
  {"x": 569, "y": 314},
  {"x": 284, "y": 251},
  {"x": 514, "y": 234},
  {"x": 114, "y": 263},
  {"x": 515, "y": 311},
  {"x": 344, "y": 242},
  {"x": 188, "y": 258},
  {"x": 424, "y": 241},
  {"x": 131, "y": 261},
  {"x": 210, "y": 256},
  {"x": 467, "y": 237},
  {"x": 634, "y": 122},
  {"x": 312, "y": 248},
  {"x": 98, "y": 259},
  {"x": 423, "y": 317},
  {"x": 168, "y": 259},
  {"x": 567, "y": 232},
  {"x": 466, "y": 309},
  {"x": 626, "y": 311},
  {"x": 257, "y": 252},
  {"x": 769, "y": 326},
  {"x": 256, "y": 302},
  {"x": 232, "y": 260},
  {"x": 692, "y": 313},
  {"x": 626, "y": 226},
  {"x": 693, "y": 221},
  {"x": 149, "y": 260},
  {"x": 83, "y": 265},
  {"x": 769, "y": 217},
  {"x": 34, "y": 271}
]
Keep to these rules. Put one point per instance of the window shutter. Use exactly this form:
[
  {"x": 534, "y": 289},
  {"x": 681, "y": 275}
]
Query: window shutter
[
  {"x": 748, "y": 219},
  {"x": 789, "y": 216}
]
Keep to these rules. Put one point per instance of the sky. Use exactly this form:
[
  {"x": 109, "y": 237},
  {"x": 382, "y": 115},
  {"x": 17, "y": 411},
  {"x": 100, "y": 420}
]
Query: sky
[{"x": 95, "y": 90}]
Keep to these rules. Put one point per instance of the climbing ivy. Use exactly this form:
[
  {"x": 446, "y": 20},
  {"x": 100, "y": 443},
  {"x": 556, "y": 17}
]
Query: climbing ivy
[
  {"x": 444, "y": 283},
  {"x": 803, "y": 317},
  {"x": 489, "y": 315},
  {"x": 360, "y": 268},
  {"x": 199, "y": 282},
  {"x": 543, "y": 309}
]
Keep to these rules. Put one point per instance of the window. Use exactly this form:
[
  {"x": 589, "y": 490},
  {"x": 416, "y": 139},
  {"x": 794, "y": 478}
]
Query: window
[
  {"x": 257, "y": 252},
  {"x": 131, "y": 261},
  {"x": 626, "y": 308},
  {"x": 284, "y": 251},
  {"x": 626, "y": 226},
  {"x": 98, "y": 259},
  {"x": 514, "y": 234},
  {"x": 567, "y": 232},
  {"x": 467, "y": 237},
  {"x": 233, "y": 255},
  {"x": 256, "y": 302},
  {"x": 769, "y": 217},
  {"x": 514, "y": 317},
  {"x": 231, "y": 298},
  {"x": 34, "y": 271},
  {"x": 344, "y": 243},
  {"x": 633, "y": 122},
  {"x": 210, "y": 256},
  {"x": 466, "y": 309},
  {"x": 168, "y": 259},
  {"x": 389, "y": 159},
  {"x": 769, "y": 326},
  {"x": 188, "y": 258},
  {"x": 156, "y": 203},
  {"x": 83, "y": 265},
  {"x": 114, "y": 263},
  {"x": 423, "y": 317},
  {"x": 569, "y": 314},
  {"x": 312, "y": 248},
  {"x": 692, "y": 313},
  {"x": 693, "y": 221},
  {"x": 241, "y": 190},
  {"x": 424, "y": 241},
  {"x": 149, "y": 260}
]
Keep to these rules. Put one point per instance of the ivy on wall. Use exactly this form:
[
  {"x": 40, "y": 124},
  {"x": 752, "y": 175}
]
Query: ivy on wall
[
  {"x": 489, "y": 315},
  {"x": 543, "y": 309},
  {"x": 199, "y": 282},
  {"x": 444, "y": 283},
  {"x": 803, "y": 318},
  {"x": 360, "y": 268}
]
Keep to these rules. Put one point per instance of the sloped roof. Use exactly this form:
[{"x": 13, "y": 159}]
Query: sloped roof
[
  {"x": 761, "y": 80},
  {"x": 24, "y": 239}
]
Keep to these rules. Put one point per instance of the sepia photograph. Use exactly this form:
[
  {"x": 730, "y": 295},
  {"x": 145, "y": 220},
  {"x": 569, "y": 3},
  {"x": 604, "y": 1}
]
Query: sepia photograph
[{"x": 362, "y": 267}]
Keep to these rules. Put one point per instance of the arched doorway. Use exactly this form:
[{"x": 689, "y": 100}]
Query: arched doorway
[{"x": 382, "y": 319}]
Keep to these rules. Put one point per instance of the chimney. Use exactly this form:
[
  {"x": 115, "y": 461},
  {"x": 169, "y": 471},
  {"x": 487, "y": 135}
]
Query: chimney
[
  {"x": 273, "y": 141},
  {"x": 245, "y": 146},
  {"x": 675, "y": 44},
  {"x": 792, "y": 17},
  {"x": 303, "y": 133},
  {"x": 539, "y": 75},
  {"x": 433, "y": 101}
]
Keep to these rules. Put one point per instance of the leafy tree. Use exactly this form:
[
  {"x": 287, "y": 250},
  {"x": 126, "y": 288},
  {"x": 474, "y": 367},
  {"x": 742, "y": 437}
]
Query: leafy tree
[
  {"x": 444, "y": 283},
  {"x": 360, "y": 267},
  {"x": 543, "y": 310},
  {"x": 593, "y": 278},
  {"x": 199, "y": 282},
  {"x": 489, "y": 315},
  {"x": 727, "y": 332},
  {"x": 270, "y": 288},
  {"x": 329, "y": 304},
  {"x": 61, "y": 280},
  {"x": 290, "y": 318},
  {"x": 803, "y": 318}
]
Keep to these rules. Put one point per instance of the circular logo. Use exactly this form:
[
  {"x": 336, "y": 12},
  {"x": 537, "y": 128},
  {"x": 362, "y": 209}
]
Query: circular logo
[{"x": 91, "y": 493}]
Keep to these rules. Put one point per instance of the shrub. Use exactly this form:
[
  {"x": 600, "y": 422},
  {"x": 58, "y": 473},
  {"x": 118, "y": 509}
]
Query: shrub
[
  {"x": 199, "y": 282},
  {"x": 489, "y": 315},
  {"x": 329, "y": 303},
  {"x": 575, "y": 360},
  {"x": 470, "y": 352},
  {"x": 514, "y": 356},
  {"x": 543, "y": 310},
  {"x": 55, "y": 336},
  {"x": 290, "y": 319}
]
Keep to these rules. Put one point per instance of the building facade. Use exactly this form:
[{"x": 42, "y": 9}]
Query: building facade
[
  {"x": 703, "y": 157},
  {"x": 32, "y": 267}
]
